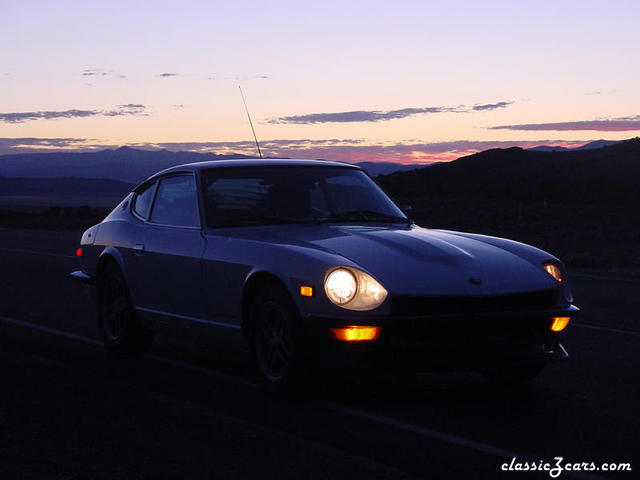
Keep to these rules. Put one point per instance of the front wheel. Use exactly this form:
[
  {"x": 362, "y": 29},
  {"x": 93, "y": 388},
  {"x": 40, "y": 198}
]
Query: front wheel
[
  {"x": 121, "y": 330},
  {"x": 512, "y": 375},
  {"x": 276, "y": 339}
]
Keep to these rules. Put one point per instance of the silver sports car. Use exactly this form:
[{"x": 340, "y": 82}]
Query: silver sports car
[{"x": 313, "y": 265}]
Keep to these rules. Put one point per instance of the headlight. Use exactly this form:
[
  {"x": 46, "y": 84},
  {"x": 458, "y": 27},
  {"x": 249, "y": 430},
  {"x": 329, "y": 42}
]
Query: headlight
[
  {"x": 354, "y": 290},
  {"x": 340, "y": 286},
  {"x": 554, "y": 270}
]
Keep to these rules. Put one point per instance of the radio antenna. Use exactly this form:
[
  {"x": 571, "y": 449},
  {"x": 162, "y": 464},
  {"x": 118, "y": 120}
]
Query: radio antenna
[{"x": 250, "y": 122}]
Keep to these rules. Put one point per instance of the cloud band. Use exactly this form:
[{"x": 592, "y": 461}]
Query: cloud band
[
  {"x": 120, "y": 110},
  {"x": 622, "y": 124},
  {"x": 381, "y": 115}
]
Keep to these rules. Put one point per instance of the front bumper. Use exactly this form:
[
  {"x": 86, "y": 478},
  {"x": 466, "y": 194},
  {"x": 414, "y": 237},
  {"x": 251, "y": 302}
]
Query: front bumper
[{"x": 441, "y": 342}]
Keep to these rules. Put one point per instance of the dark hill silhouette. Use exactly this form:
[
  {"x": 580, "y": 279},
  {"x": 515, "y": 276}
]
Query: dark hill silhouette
[
  {"x": 548, "y": 148},
  {"x": 603, "y": 175},
  {"x": 581, "y": 205},
  {"x": 586, "y": 146},
  {"x": 384, "y": 168},
  {"x": 64, "y": 187}
]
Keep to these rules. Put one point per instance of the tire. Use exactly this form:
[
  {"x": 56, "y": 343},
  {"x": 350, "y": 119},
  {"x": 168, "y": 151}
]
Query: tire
[
  {"x": 276, "y": 340},
  {"x": 512, "y": 375},
  {"x": 121, "y": 330}
]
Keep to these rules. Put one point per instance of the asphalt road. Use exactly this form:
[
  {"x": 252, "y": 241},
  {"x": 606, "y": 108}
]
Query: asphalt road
[{"x": 194, "y": 410}]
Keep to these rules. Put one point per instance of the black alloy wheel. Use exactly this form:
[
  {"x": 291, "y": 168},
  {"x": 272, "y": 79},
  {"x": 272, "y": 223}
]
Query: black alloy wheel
[
  {"x": 121, "y": 331},
  {"x": 276, "y": 339}
]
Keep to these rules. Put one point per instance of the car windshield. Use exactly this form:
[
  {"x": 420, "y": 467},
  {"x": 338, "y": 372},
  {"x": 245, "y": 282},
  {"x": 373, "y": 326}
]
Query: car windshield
[{"x": 264, "y": 195}]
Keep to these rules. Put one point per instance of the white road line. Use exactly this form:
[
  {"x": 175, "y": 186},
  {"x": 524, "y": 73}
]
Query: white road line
[
  {"x": 451, "y": 439},
  {"x": 92, "y": 341},
  {"x": 213, "y": 413},
  {"x": 608, "y": 329},
  {"x": 399, "y": 424},
  {"x": 205, "y": 371},
  {"x": 52, "y": 331},
  {"x": 34, "y": 252},
  {"x": 604, "y": 277},
  {"x": 318, "y": 447},
  {"x": 191, "y": 319},
  {"x": 435, "y": 434}
]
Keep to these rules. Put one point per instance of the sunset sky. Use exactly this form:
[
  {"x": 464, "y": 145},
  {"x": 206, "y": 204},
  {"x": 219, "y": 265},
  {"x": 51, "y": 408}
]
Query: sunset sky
[{"x": 402, "y": 81}]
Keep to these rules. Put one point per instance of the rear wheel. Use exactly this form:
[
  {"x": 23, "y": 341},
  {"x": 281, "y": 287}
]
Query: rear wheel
[
  {"x": 121, "y": 331},
  {"x": 512, "y": 375},
  {"x": 276, "y": 339}
]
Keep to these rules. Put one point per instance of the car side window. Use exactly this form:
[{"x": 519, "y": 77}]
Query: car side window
[
  {"x": 143, "y": 201},
  {"x": 176, "y": 202}
]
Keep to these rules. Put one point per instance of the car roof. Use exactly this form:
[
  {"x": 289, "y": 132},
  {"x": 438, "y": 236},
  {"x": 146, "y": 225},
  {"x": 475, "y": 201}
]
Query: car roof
[{"x": 253, "y": 162}]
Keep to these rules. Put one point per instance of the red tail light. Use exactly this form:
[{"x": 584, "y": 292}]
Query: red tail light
[{"x": 79, "y": 252}]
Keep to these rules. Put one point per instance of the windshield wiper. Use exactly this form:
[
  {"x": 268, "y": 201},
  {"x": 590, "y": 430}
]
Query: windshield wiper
[
  {"x": 363, "y": 216},
  {"x": 350, "y": 216},
  {"x": 265, "y": 221}
]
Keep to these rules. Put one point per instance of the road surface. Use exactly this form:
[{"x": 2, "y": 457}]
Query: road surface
[{"x": 188, "y": 410}]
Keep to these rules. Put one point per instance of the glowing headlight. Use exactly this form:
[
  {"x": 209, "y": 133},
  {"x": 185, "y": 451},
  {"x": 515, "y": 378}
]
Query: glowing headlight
[
  {"x": 340, "y": 286},
  {"x": 354, "y": 290},
  {"x": 553, "y": 270}
]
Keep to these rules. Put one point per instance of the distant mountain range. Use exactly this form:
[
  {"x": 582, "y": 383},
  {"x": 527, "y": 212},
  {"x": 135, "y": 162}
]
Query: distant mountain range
[
  {"x": 125, "y": 164},
  {"x": 128, "y": 164},
  {"x": 598, "y": 170},
  {"x": 101, "y": 178}
]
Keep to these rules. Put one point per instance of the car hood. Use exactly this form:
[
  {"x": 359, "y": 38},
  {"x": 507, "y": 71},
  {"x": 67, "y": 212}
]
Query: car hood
[{"x": 417, "y": 261}]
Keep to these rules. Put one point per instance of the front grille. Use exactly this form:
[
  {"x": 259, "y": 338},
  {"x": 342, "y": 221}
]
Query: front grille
[
  {"x": 448, "y": 333},
  {"x": 461, "y": 305}
]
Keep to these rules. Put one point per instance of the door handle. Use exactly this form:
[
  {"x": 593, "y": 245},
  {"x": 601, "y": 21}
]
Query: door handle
[{"x": 138, "y": 248}]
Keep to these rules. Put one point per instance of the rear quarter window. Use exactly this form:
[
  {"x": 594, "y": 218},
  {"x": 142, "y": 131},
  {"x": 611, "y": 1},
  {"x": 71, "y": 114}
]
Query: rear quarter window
[{"x": 142, "y": 201}]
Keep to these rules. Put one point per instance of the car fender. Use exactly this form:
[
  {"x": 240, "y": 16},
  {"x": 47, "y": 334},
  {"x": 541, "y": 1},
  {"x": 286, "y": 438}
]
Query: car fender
[
  {"x": 112, "y": 253},
  {"x": 296, "y": 266}
]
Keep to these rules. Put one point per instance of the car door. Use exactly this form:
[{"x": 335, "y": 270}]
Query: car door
[
  {"x": 168, "y": 256},
  {"x": 133, "y": 234}
]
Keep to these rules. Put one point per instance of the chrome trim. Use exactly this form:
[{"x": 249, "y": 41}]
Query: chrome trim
[
  {"x": 156, "y": 187},
  {"x": 153, "y": 224},
  {"x": 132, "y": 203},
  {"x": 135, "y": 214},
  {"x": 81, "y": 276}
]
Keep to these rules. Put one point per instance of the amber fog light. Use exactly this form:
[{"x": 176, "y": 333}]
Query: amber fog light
[
  {"x": 559, "y": 323},
  {"x": 356, "y": 333}
]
